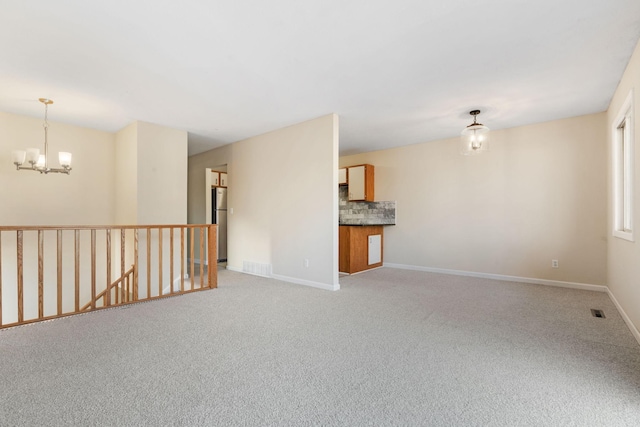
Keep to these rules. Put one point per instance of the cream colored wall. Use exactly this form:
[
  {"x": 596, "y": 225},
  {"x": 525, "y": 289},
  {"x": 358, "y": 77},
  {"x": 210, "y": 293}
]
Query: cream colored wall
[
  {"x": 624, "y": 256},
  {"x": 126, "y": 182},
  {"x": 151, "y": 175},
  {"x": 197, "y": 209},
  {"x": 85, "y": 197},
  {"x": 283, "y": 191},
  {"x": 162, "y": 175},
  {"x": 538, "y": 195},
  {"x": 151, "y": 183}
]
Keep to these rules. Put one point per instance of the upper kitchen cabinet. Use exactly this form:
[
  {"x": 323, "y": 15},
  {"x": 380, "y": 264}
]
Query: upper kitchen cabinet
[
  {"x": 215, "y": 178},
  {"x": 360, "y": 183},
  {"x": 218, "y": 179},
  {"x": 342, "y": 176}
]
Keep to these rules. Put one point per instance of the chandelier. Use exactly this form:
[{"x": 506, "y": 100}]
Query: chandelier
[
  {"x": 40, "y": 162},
  {"x": 475, "y": 137}
]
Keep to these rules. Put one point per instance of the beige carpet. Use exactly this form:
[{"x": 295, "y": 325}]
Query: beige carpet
[{"x": 392, "y": 347}]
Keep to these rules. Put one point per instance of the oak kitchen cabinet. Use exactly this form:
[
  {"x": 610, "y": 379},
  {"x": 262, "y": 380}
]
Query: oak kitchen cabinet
[
  {"x": 360, "y": 248},
  {"x": 342, "y": 176},
  {"x": 218, "y": 179},
  {"x": 360, "y": 183}
]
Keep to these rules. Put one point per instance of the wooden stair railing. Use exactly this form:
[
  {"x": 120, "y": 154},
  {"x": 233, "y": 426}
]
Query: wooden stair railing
[
  {"x": 122, "y": 294},
  {"x": 45, "y": 271}
]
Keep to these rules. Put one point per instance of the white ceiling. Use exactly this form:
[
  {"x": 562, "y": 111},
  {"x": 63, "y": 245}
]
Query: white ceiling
[{"x": 396, "y": 72}]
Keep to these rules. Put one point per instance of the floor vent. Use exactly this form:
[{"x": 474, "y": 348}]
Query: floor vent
[{"x": 597, "y": 313}]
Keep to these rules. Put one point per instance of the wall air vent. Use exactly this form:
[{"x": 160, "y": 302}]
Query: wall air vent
[{"x": 256, "y": 268}]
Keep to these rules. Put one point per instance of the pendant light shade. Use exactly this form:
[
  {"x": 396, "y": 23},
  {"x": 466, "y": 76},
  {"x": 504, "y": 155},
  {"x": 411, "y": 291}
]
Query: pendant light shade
[
  {"x": 475, "y": 137},
  {"x": 64, "y": 158}
]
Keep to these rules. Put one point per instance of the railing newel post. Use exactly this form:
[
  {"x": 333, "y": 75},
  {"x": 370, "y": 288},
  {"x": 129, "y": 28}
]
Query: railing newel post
[
  {"x": 202, "y": 238},
  {"x": 181, "y": 259},
  {"x": 212, "y": 253},
  {"x": 192, "y": 255}
]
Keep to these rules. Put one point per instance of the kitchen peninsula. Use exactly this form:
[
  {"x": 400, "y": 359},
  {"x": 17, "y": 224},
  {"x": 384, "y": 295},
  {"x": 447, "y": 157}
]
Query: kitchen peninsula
[
  {"x": 361, "y": 231},
  {"x": 360, "y": 248}
]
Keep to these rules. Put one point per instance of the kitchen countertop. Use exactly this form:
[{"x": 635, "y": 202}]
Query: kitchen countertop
[{"x": 361, "y": 225}]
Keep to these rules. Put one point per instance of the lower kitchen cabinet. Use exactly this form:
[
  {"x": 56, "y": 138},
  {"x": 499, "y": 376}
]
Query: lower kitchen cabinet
[{"x": 360, "y": 248}]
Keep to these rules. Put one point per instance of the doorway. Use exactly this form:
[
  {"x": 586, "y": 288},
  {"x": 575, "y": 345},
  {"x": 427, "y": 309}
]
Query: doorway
[{"x": 217, "y": 193}]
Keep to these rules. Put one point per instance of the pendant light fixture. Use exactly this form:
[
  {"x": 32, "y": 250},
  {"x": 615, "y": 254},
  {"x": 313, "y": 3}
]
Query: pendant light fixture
[
  {"x": 40, "y": 162},
  {"x": 475, "y": 137}
]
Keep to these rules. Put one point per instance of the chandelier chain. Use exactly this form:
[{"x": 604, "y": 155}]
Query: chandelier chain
[
  {"x": 46, "y": 135},
  {"x": 46, "y": 111}
]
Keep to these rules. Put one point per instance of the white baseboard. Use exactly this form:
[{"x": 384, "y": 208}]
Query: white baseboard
[
  {"x": 626, "y": 318},
  {"x": 561, "y": 284},
  {"x": 240, "y": 270},
  {"x": 307, "y": 283},
  {"x": 297, "y": 281},
  {"x": 176, "y": 284},
  {"x": 290, "y": 280},
  {"x": 232, "y": 268},
  {"x": 362, "y": 271}
]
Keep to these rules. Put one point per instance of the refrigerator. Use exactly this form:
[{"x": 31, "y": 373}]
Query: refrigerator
[{"x": 219, "y": 216}]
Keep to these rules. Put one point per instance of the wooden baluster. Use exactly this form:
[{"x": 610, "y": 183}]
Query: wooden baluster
[
  {"x": 76, "y": 250},
  {"x": 19, "y": 237},
  {"x": 212, "y": 273},
  {"x": 159, "y": 261},
  {"x": 135, "y": 264},
  {"x": 148, "y": 263},
  {"x": 1, "y": 278},
  {"x": 59, "y": 270},
  {"x": 108, "y": 294},
  {"x": 93, "y": 269},
  {"x": 192, "y": 254},
  {"x": 40, "y": 274},
  {"x": 126, "y": 287},
  {"x": 201, "y": 257},
  {"x": 181, "y": 259},
  {"x": 122, "y": 254},
  {"x": 171, "y": 277}
]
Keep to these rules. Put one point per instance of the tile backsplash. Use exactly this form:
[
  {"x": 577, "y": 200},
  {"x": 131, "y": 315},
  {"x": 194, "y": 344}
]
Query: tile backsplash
[{"x": 365, "y": 213}]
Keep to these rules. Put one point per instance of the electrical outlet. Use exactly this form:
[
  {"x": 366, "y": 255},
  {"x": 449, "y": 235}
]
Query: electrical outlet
[
  {"x": 554, "y": 263},
  {"x": 306, "y": 262}
]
